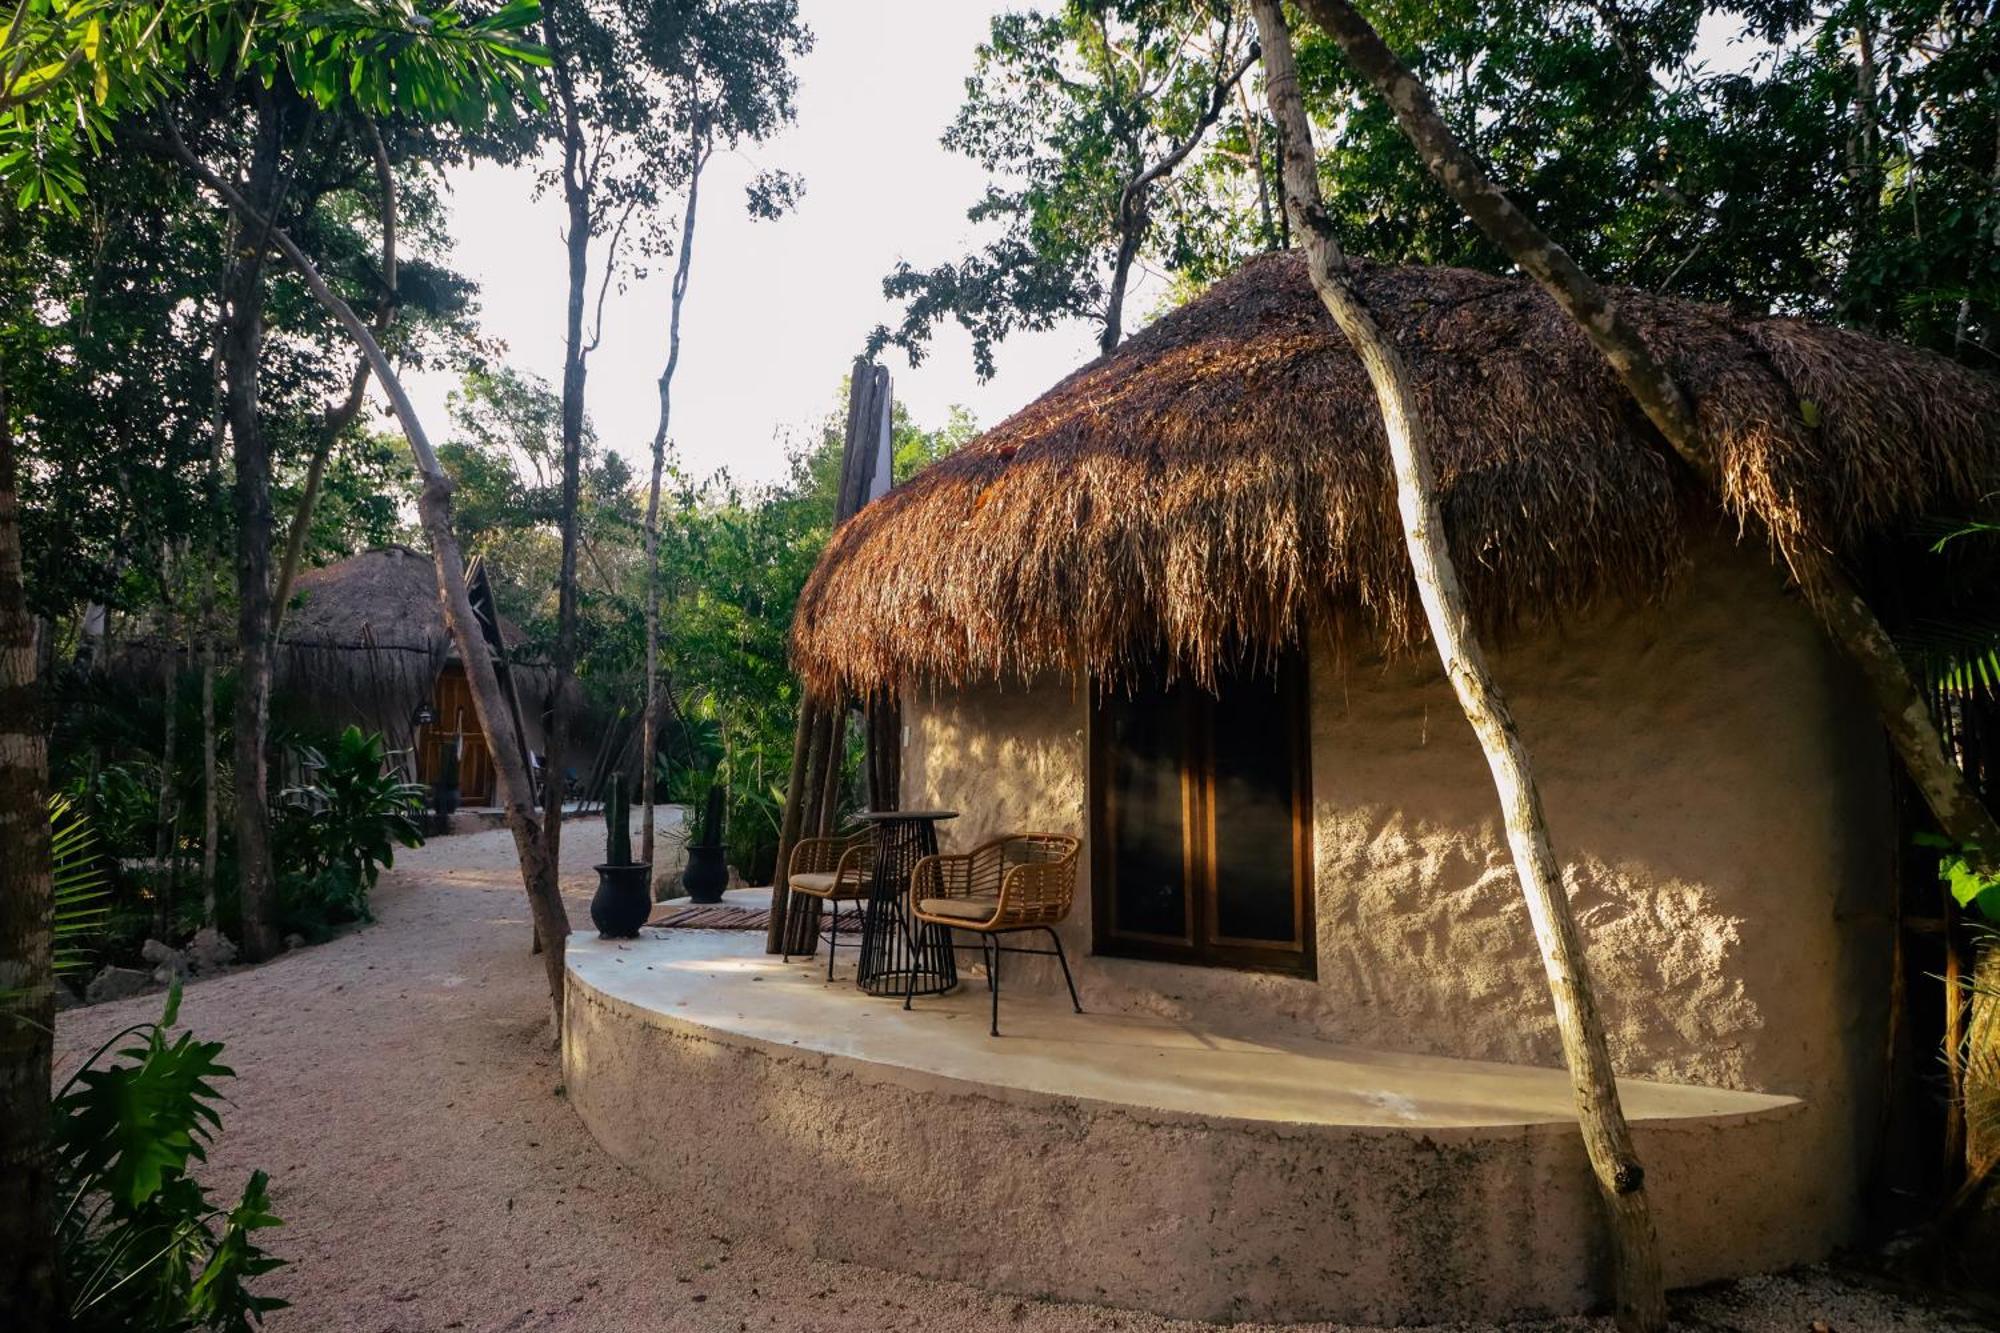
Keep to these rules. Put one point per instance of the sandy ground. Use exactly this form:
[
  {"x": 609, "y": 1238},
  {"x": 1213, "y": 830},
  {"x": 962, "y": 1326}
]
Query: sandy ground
[{"x": 400, "y": 1086}]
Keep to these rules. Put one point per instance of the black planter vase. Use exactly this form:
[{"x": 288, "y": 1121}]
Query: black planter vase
[
  {"x": 707, "y": 874},
  {"x": 444, "y": 799},
  {"x": 623, "y": 901}
]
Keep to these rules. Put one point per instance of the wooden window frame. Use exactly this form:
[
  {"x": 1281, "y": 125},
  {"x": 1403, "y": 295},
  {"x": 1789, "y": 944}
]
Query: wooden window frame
[{"x": 1206, "y": 947}]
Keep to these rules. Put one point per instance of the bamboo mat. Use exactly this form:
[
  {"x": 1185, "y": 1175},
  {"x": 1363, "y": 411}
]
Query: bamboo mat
[{"x": 722, "y": 916}]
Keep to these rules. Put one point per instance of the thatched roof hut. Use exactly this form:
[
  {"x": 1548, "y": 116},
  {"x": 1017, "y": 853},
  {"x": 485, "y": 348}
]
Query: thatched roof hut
[
  {"x": 365, "y": 641},
  {"x": 364, "y": 629},
  {"x": 1290, "y": 828},
  {"x": 1222, "y": 479}
]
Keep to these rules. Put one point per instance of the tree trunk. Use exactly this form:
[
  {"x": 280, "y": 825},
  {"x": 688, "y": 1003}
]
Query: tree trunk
[
  {"x": 791, "y": 824},
  {"x": 496, "y": 719},
  {"x": 1846, "y": 616},
  {"x": 28, "y": 1275},
  {"x": 211, "y": 797},
  {"x": 649, "y": 743},
  {"x": 242, "y": 345},
  {"x": 1640, "y": 1294},
  {"x": 577, "y": 191},
  {"x": 1987, "y": 240},
  {"x": 1864, "y": 168},
  {"x": 165, "y": 847},
  {"x": 1131, "y": 233}
]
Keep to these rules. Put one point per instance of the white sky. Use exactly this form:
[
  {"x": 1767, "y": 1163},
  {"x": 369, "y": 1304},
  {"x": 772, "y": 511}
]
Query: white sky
[{"x": 776, "y": 311}]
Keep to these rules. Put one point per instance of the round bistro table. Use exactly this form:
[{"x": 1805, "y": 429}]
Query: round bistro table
[{"x": 892, "y": 944}]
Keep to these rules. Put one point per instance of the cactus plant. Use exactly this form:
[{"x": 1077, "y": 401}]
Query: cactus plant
[{"x": 617, "y": 823}]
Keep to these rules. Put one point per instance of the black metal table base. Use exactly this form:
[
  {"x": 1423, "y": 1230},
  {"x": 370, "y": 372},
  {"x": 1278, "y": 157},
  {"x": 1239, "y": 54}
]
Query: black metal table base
[{"x": 893, "y": 947}]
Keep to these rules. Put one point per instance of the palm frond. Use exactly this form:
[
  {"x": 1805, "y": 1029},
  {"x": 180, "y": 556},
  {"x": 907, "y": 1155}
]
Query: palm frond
[{"x": 76, "y": 872}]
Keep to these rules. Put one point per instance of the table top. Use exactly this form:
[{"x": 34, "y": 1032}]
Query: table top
[{"x": 883, "y": 816}]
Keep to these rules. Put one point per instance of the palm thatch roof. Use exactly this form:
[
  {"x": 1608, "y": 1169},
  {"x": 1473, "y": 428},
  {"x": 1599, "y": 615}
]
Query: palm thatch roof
[
  {"x": 1220, "y": 482},
  {"x": 365, "y": 638},
  {"x": 370, "y": 623}
]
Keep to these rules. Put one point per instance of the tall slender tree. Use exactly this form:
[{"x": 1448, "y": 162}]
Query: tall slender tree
[
  {"x": 1640, "y": 1293},
  {"x": 735, "y": 86},
  {"x": 634, "y": 81},
  {"x": 437, "y": 65},
  {"x": 1083, "y": 116}
]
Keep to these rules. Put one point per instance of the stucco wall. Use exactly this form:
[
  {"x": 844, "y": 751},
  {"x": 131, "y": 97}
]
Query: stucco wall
[
  {"x": 1191, "y": 1216},
  {"x": 1716, "y": 789}
]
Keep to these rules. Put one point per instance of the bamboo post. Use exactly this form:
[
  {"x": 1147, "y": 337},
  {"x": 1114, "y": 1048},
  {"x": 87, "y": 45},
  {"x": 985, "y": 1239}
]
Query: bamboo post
[
  {"x": 789, "y": 825},
  {"x": 1640, "y": 1292}
]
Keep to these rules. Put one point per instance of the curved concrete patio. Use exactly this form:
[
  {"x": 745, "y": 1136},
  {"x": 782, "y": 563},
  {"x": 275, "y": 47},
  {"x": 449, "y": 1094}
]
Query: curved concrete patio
[{"x": 1137, "y": 1162}]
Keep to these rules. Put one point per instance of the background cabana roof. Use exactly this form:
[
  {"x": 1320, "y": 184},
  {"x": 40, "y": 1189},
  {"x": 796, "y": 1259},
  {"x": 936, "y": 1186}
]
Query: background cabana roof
[
  {"x": 365, "y": 639},
  {"x": 368, "y": 624},
  {"x": 1220, "y": 481}
]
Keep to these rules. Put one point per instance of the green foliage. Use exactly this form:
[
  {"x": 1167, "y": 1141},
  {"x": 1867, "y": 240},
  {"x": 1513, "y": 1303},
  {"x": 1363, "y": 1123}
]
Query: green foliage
[
  {"x": 1081, "y": 117},
  {"x": 142, "y": 1246},
  {"x": 334, "y": 836},
  {"x": 71, "y": 70},
  {"x": 1959, "y": 871},
  {"x": 82, "y": 891}
]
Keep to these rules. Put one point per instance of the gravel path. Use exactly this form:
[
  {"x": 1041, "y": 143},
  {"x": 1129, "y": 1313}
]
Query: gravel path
[{"x": 400, "y": 1087}]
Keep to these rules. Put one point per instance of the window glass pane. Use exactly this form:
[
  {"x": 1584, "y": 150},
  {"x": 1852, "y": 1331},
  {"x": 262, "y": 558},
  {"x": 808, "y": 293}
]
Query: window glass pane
[
  {"x": 1148, "y": 872},
  {"x": 1251, "y": 741}
]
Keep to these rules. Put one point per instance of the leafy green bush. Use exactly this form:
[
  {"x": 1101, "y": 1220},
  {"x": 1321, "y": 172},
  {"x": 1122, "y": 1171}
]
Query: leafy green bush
[
  {"x": 334, "y": 837},
  {"x": 1970, "y": 887},
  {"x": 142, "y": 1245}
]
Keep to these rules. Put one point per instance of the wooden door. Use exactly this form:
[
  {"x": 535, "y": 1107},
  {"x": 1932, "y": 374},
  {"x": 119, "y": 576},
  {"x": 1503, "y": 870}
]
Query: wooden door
[{"x": 457, "y": 717}]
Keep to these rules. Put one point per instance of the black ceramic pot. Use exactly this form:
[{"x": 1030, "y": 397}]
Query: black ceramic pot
[
  {"x": 623, "y": 901},
  {"x": 706, "y": 876},
  {"x": 445, "y": 799}
]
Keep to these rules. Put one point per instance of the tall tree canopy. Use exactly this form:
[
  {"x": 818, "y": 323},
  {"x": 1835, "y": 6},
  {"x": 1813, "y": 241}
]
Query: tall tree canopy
[{"x": 1083, "y": 116}]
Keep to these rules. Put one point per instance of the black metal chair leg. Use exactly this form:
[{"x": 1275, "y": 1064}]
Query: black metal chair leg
[
  {"x": 993, "y": 975},
  {"x": 1063, "y": 958},
  {"x": 832, "y": 936}
]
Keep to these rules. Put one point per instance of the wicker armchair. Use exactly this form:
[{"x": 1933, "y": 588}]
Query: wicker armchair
[
  {"x": 1024, "y": 881},
  {"x": 828, "y": 871}
]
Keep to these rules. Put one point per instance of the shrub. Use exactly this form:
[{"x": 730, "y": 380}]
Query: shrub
[
  {"x": 141, "y": 1244},
  {"x": 334, "y": 837}
]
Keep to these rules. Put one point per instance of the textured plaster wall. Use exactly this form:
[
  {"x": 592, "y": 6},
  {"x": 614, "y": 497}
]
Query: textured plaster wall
[{"x": 1717, "y": 792}]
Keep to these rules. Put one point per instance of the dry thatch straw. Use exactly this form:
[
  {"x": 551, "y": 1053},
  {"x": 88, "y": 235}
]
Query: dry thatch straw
[
  {"x": 1220, "y": 482},
  {"x": 365, "y": 639}
]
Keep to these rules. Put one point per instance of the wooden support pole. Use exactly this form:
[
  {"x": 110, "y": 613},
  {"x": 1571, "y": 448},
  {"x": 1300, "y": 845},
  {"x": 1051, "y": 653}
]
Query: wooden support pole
[
  {"x": 790, "y": 825},
  {"x": 811, "y": 795}
]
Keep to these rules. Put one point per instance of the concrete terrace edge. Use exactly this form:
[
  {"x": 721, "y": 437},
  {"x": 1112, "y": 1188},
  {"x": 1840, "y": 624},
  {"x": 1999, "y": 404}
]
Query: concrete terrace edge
[{"x": 1188, "y": 1215}]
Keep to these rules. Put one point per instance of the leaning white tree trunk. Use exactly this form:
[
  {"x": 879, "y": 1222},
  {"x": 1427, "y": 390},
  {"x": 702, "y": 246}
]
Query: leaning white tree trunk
[
  {"x": 538, "y": 869},
  {"x": 1640, "y": 1296},
  {"x": 1849, "y": 621}
]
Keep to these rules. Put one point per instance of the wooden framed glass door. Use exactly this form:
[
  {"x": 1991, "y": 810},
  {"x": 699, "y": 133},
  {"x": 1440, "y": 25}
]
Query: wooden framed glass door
[{"x": 1201, "y": 822}]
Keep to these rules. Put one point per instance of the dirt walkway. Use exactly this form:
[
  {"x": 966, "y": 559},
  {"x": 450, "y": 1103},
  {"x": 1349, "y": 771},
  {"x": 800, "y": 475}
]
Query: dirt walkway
[{"x": 400, "y": 1087}]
